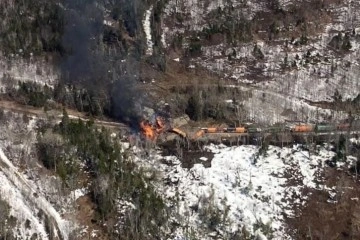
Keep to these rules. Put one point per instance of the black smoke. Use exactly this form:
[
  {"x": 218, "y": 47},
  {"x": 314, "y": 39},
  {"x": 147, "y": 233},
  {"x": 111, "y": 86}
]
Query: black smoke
[
  {"x": 107, "y": 69},
  {"x": 83, "y": 24}
]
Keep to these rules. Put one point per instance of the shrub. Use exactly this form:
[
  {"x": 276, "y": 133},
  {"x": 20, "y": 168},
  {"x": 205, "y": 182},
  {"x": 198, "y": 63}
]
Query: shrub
[
  {"x": 195, "y": 107},
  {"x": 195, "y": 47}
]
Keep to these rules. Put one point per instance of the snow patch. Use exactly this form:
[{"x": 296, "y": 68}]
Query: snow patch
[{"x": 147, "y": 29}]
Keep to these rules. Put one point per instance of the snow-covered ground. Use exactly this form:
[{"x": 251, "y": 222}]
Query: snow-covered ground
[
  {"x": 34, "y": 197},
  {"x": 147, "y": 30},
  {"x": 277, "y": 90},
  {"x": 17, "y": 69},
  {"x": 26, "y": 203},
  {"x": 195, "y": 10},
  {"x": 244, "y": 189},
  {"x": 270, "y": 107},
  {"x": 21, "y": 210},
  {"x": 314, "y": 71}
]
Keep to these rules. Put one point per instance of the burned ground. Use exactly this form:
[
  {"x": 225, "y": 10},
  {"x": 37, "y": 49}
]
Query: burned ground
[{"x": 188, "y": 152}]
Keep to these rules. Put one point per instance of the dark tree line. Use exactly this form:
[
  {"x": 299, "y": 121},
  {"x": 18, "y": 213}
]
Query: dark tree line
[
  {"x": 71, "y": 144},
  {"x": 31, "y": 27}
]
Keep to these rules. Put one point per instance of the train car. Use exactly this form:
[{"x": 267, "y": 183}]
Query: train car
[
  {"x": 253, "y": 130},
  {"x": 213, "y": 130},
  {"x": 303, "y": 128},
  {"x": 179, "y": 132},
  {"x": 343, "y": 126},
  {"x": 229, "y": 129},
  {"x": 198, "y": 134},
  {"x": 325, "y": 128},
  {"x": 275, "y": 129},
  {"x": 240, "y": 130}
]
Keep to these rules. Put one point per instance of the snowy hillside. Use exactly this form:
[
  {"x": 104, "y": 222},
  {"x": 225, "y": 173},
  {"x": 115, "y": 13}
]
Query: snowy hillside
[
  {"x": 36, "y": 204},
  {"x": 229, "y": 191},
  {"x": 241, "y": 192},
  {"x": 107, "y": 108},
  {"x": 282, "y": 72},
  {"x": 26, "y": 205},
  {"x": 34, "y": 70}
]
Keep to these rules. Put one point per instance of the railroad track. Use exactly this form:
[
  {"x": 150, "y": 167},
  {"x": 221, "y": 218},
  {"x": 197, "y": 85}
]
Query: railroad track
[
  {"x": 38, "y": 112},
  {"x": 57, "y": 114}
]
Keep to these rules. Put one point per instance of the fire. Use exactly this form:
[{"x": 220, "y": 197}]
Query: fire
[
  {"x": 151, "y": 131},
  {"x": 147, "y": 130}
]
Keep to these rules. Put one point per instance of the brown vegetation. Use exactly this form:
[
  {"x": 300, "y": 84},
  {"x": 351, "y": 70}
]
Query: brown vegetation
[{"x": 326, "y": 217}]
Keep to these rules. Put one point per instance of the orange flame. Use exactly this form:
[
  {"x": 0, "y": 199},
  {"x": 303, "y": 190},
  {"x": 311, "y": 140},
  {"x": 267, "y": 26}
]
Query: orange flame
[
  {"x": 151, "y": 131},
  {"x": 147, "y": 130}
]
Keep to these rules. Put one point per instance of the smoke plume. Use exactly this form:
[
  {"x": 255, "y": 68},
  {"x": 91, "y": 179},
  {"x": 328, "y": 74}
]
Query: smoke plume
[{"x": 93, "y": 65}]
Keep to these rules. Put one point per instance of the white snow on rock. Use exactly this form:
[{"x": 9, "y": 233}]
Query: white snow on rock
[
  {"x": 254, "y": 190},
  {"x": 355, "y": 140},
  {"x": 20, "y": 209},
  {"x": 163, "y": 37},
  {"x": 75, "y": 194},
  {"x": 147, "y": 29},
  {"x": 27, "y": 202},
  {"x": 13, "y": 70}
]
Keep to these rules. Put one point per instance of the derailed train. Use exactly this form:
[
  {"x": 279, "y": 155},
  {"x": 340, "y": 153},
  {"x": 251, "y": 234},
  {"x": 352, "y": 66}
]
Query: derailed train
[
  {"x": 321, "y": 127},
  {"x": 278, "y": 128}
]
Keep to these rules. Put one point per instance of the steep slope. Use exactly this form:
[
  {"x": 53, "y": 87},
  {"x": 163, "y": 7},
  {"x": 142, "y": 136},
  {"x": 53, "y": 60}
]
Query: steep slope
[
  {"x": 289, "y": 54},
  {"x": 242, "y": 192},
  {"x": 26, "y": 204}
]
